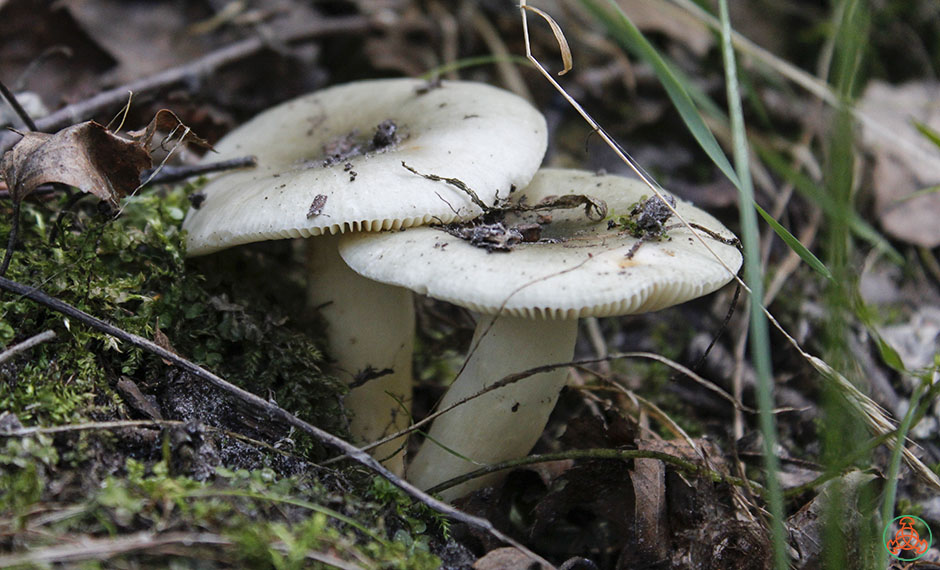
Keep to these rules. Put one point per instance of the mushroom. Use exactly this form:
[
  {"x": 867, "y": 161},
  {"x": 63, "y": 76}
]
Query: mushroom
[
  {"x": 347, "y": 158},
  {"x": 532, "y": 296}
]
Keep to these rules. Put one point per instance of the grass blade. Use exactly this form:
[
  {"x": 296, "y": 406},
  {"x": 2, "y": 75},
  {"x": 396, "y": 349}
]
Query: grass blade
[
  {"x": 622, "y": 29},
  {"x": 894, "y": 468},
  {"x": 929, "y": 133},
  {"x": 815, "y": 193},
  {"x": 794, "y": 244},
  {"x": 473, "y": 62},
  {"x": 759, "y": 333},
  {"x": 683, "y": 96}
]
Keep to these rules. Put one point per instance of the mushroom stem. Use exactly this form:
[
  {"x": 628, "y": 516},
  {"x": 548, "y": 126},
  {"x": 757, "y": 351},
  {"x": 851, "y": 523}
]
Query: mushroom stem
[
  {"x": 370, "y": 330},
  {"x": 505, "y": 423}
]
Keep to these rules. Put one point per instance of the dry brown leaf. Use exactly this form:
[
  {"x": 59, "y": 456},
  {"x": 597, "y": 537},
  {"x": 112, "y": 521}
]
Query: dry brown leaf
[
  {"x": 136, "y": 399},
  {"x": 166, "y": 121},
  {"x": 163, "y": 342},
  {"x": 594, "y": 208},
  {"x": 806, "y": 526},
  {"x": 503, "y": 558},
  {"x": 649, "y": 482},
  {"x": 87, "y": 156},
  {"x": 559, "y": 37}
]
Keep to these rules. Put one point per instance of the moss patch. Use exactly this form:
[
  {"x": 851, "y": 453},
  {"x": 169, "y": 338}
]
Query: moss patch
[{"x": 235, "y": 489}]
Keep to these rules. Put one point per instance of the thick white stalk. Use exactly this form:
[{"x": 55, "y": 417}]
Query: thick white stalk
[
  {"x": 505, "y": 423},
  {"x": 370, "y": 325}
]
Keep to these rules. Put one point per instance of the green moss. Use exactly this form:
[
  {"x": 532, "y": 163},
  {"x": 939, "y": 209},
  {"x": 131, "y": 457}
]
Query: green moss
[
  {"x": 414, "y": 515},
  {"x": 225, "y": 313},
  {"x": 24, "y": 467},
  {"x": 131, "y": 272},
  {"x": 254, "y": 518}
]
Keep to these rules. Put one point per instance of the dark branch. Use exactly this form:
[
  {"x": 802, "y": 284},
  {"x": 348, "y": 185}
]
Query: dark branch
[
  {"x": 20, "y": 111},
  {"x": 170, "y": 174}
]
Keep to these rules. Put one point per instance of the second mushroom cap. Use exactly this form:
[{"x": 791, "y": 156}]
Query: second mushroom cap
[
  {"x": 533, "y": 269},
  {"x": 577, "y": 269}
]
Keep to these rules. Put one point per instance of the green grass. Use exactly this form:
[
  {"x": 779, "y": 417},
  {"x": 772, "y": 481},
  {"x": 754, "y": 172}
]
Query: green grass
[
  {"x": 759, "y": 334},
  {"x": 842, "y": 432},
  {"x": 75, "y": 484},
  {"x": 620, "y": 27}
]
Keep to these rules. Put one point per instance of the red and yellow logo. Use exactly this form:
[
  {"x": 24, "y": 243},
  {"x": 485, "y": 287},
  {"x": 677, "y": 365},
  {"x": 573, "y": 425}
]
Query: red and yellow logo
[{"x": 910, "y": 539}]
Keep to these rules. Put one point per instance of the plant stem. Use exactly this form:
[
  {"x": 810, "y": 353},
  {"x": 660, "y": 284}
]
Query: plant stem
[{"x": 680, "y": 464}]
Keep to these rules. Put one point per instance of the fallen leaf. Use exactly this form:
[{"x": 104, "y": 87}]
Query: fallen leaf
[
  {"x": 87, "y": 156},
  {"x": 136, "y": 399},
  {"x": 166, "y": 121},
  {"x": 587, "y": 432},
  {"x": 505, "y": 557},
  {"x": 915, "y": 342},
  {"x": 652, "y": 525},
  {"x": 594, "y": 208},
  {"x": 163, "y": 342},
  {"x": 807, "y": 526}
]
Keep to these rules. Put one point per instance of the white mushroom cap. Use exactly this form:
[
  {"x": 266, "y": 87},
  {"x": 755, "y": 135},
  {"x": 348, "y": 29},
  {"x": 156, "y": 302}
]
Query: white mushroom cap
[
  {"x": 584, "y": 273},
  {"x": 488, "y": 138},
  {"x": 537, "y": 291}
]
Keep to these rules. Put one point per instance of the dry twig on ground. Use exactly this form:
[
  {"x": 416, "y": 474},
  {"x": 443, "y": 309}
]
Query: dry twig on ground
[{"x": 272, "y": 411}]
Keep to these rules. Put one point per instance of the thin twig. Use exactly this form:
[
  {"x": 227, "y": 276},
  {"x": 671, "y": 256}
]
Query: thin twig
[
  {"x": 456, "y": 183},
  {"x": 199, "y": 68},
  {"x": 273, "y": 412},
  {"x": 518, "y": 376},
  {"x": 170, "y": 174},
  {"x": 683, "y": 465},
  {"x": 26, "y": 345},
  {"x": 147, "y": 542},
  {"x": 42, "y": 190},
  {"x": 127, "y": 424},
  {"x": 91, "y": 549},
  {"x": 15, "y": 104}
]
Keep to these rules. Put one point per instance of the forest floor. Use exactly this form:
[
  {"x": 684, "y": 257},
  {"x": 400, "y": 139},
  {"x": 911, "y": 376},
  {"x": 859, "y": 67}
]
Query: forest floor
[{"x": 187, "y": 435}]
